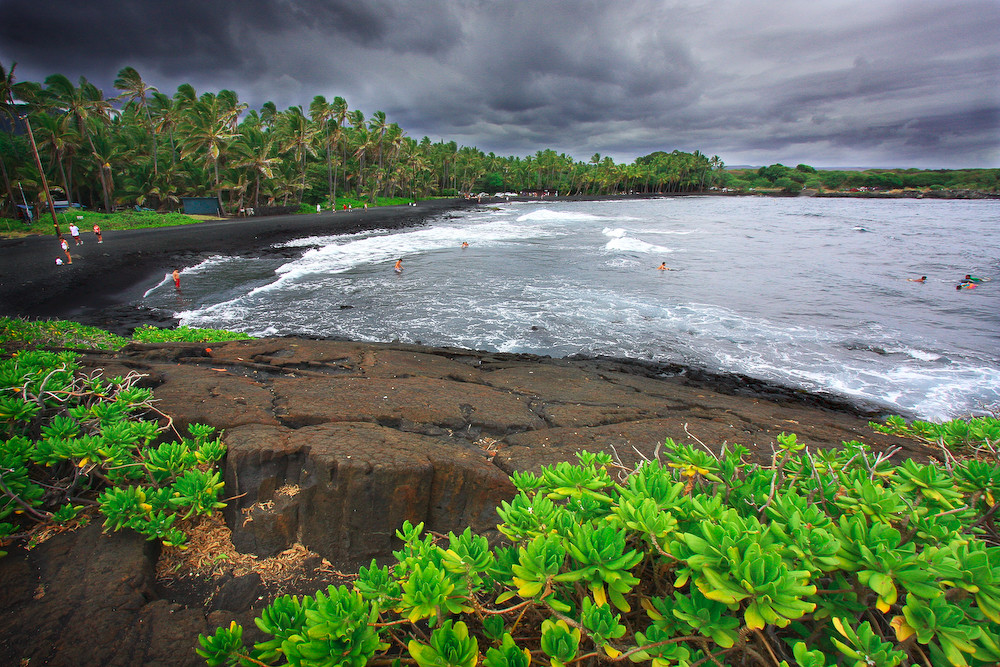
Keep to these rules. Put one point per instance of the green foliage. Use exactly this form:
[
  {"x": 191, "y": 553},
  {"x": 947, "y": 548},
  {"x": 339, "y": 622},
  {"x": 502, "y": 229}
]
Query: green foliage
[
  {"x": 822, "y": 558},
  {"x": 957, "y": 435},
  {"x": 450, "y": 646},
  {"x": 62, "y": 333},
  {"x": 57, "y": 333},
  {"x": 150, "y": 334},
  {"x": 128, "y": 219},
  {"x": 65, "y": 437}
]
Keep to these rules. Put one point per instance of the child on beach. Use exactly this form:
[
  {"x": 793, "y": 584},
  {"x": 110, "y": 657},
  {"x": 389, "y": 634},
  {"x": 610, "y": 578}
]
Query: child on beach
[
  {"x": 97, "y": 232},
  {"x": 65, "y": 249},
  {"x": 75, "y": 233}
]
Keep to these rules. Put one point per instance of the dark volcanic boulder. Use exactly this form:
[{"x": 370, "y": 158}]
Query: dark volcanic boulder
[{"x": 343, "y": 489}]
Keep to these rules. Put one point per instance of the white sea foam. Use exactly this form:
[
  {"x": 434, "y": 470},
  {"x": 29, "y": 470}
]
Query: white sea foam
[
  {"x": 629, "y": 244},
  {"x": 560, "y": 278},
  {"x": 546, "y": 215},
  {"x": 201, "y": 267},
  {"x": 166, "y": 281}
]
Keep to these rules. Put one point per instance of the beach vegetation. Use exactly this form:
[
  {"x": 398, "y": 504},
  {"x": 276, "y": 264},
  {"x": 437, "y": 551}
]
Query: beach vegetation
[
  {"x": 55, "y": 334},
  {"x": 73, "y": 445},
  {"x": 838, "y": 557},
  {"x": 151, "y": 334}
]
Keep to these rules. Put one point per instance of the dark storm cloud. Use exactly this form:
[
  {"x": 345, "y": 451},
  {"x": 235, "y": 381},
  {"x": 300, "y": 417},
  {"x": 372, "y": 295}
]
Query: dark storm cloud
[{"x": 864, "y": 82}]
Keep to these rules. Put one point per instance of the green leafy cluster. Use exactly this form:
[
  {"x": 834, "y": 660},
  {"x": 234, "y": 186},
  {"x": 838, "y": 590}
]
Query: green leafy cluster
[
  {"x": 69, "y": 441},
  {"x": 63, "y": 333},
  {"x": 836, "y": 557},
  {"x": 955, "y": 435},
  {"x": 57, "y": 333},
  {"x": 151, "y": 334}
]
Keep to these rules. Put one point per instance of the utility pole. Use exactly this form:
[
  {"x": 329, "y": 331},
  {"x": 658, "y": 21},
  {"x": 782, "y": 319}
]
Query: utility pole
[{"x": 41, "y": 172}]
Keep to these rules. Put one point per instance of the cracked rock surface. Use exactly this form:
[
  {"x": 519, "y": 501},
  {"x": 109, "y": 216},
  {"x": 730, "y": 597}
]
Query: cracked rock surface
[{"x": 370, "y": 435}]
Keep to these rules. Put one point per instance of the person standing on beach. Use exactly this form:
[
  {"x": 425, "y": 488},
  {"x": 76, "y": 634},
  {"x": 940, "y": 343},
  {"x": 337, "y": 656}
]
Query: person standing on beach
[
  {"x": 177, "y": 278},
  {"x": 75, "y": 233},
  {"x": 97, "y": 232},
  {"x": 65, "y": 249}
]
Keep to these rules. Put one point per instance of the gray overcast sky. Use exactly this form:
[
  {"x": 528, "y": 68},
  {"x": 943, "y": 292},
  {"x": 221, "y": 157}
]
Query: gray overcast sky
[{"x": 873, "y": 83}]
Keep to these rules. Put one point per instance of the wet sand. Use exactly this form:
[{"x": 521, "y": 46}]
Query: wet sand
[{"x": 104, "y": 278}]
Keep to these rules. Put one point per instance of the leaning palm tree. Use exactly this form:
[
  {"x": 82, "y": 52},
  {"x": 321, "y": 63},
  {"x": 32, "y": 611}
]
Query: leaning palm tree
[
  {"x": 58, "y": 137},
  {"x": 8, "y": 110},
  {"x": 134, "y": 90},
  {"x": 86, "y": 104}
]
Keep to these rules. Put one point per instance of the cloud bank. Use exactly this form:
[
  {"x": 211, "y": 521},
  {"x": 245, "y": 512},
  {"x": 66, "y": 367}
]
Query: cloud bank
[{"x": 833, "y": 83}]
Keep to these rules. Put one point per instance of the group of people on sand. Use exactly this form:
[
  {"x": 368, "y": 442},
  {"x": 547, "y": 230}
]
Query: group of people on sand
[
  {"x": 968, "y": 282},
  {"x": 74, "y": 231}
]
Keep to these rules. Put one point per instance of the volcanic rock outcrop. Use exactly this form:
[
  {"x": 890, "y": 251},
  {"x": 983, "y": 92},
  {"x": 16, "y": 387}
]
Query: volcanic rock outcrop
[{"x": 335, "y": 444}]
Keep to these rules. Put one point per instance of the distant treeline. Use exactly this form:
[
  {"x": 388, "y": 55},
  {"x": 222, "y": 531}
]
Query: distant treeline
[
  {"x": 791, "y": 180},
  {"x": 146, "y": 148}
]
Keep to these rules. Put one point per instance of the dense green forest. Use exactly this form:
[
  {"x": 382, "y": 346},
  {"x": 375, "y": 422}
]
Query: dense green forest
[
  {"x": 793, "y": 180},
  {"x": 145, "y": 148}
]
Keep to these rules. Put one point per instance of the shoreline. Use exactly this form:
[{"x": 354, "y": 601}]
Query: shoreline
[
  {"x": 101, "y": 286},
  {"x": 107, "y": 276}
]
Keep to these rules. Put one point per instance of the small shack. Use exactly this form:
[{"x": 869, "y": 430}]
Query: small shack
[{"x": 201, "y": 206}]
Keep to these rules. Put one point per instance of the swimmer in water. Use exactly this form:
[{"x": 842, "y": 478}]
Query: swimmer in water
[
  {"x": 465, "y": 244},
  {"x": 918, "y": 280},
  {"x": 399, "y": 266},
  {"x": 663, "y": 267}
]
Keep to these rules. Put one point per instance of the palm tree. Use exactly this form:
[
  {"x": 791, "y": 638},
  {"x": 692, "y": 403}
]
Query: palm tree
[
  {"x": 86, "y": 104},
  {"x": 268, "y": 115},
  {"x": 57, "y": 135},
  {"x": 297, "y": 137},
  {"x": 134, "y": 89},
  {"x": 167, "y": 115},
  {"x": 357, "y": 121},
  {"x": 9, "y": 110},
  {"x": 206, "y": 129},
  {"x": 321, "y": 114},
  {"x": 255, "y": 151},
  {"x": 338, "y": 109}
]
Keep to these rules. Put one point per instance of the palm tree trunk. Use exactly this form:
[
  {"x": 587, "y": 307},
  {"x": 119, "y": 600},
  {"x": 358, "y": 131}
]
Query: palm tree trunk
[{"x": 7, "y": 186}]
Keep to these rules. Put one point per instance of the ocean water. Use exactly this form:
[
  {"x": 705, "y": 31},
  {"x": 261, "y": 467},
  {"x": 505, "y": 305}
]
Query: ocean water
[{"x": 808, "y": 293}]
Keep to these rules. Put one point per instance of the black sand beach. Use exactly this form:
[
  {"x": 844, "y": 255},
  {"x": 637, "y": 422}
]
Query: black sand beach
[{"x": 104, "y": 277}]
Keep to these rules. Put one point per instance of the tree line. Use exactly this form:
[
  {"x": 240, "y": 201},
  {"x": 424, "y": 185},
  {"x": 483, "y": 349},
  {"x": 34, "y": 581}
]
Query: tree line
[
  {"x": 145, "y": 147},
  {"x": 803, "y": 176}
]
